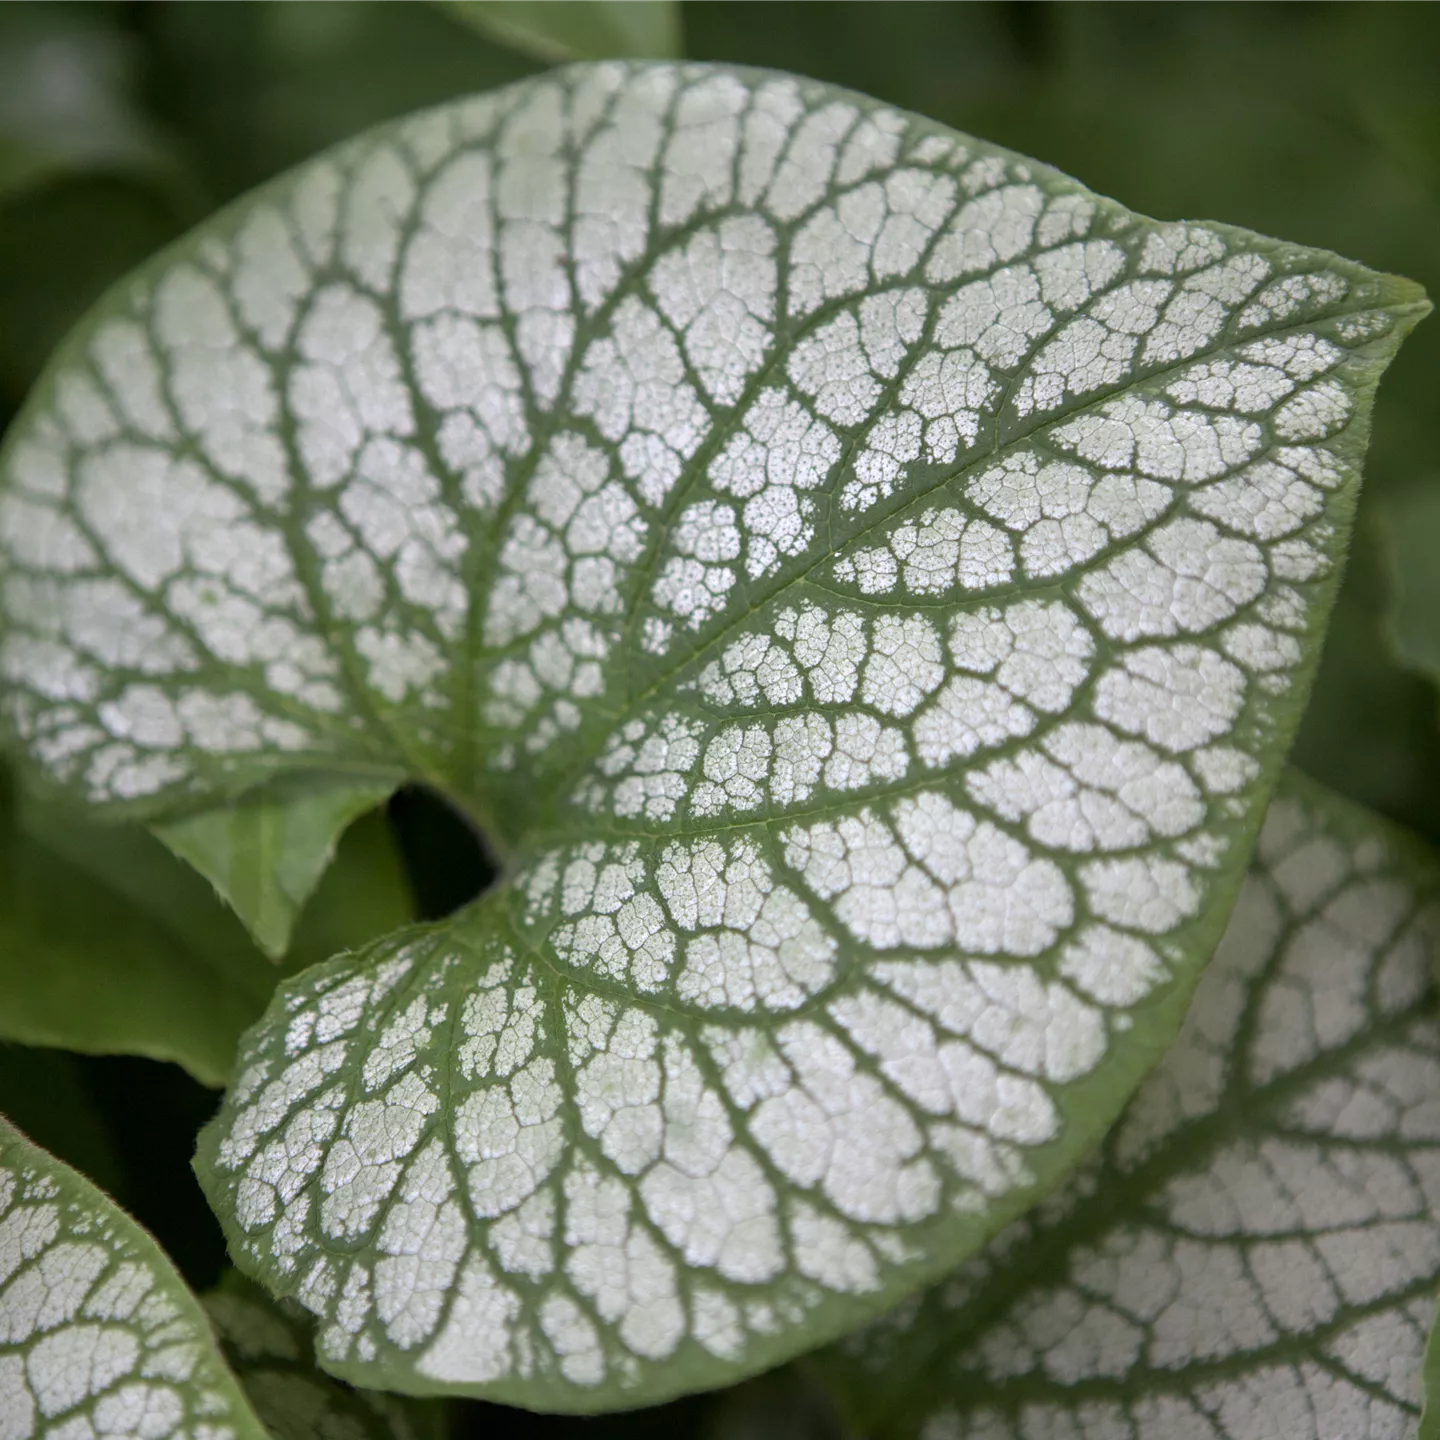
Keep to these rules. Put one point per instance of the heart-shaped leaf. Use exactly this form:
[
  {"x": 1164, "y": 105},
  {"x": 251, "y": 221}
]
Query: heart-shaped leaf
[
  {"x": 862, "y": 583},
  {"x": 1255, "y": 1252},
  {"x": 98, "y": 1334},
  {"x": 269, "y": 1349}
]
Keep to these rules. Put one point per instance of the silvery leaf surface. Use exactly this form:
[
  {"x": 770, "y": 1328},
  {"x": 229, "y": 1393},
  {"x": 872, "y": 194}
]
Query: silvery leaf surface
[
  {"x": 98, "y": 1334},
  {"x": 1255, "y": 1250},
  {"x": 862, "y": 582}
]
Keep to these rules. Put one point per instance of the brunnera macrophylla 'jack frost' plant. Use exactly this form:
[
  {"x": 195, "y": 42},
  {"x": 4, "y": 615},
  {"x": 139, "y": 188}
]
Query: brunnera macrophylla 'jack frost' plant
[
  {"x": 98, "y": 1334},
  {"x": 862, "y": 583},
  {"x": 1255, "y": 1250}
]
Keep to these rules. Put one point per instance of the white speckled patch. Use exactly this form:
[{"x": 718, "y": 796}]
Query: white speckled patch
[
  {"x": 1255, "y": 1252},
  {"x": 98, "y": 1335},
  {"x": 862, "y": 580}
]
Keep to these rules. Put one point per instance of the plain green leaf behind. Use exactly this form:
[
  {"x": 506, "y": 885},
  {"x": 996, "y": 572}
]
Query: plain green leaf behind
[
  {"x": 1410, "y": 528},
  {"x": 266, "y": 851},
  {"x": 578, "y": 29},
  {"x": 108, "y": 944}
]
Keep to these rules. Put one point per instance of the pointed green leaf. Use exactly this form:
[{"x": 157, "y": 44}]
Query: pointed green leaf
[
  {"x": 863, "y": 583},
  {"x": 1411, "y": 528},
  {"x": 265, "y": 852},
  {"x": 577, "y": 29},
  {"x": 98, "y": 1334},
  {"x": 268, "y": 1346},
  {"x": 108, "y": 944},
  {"x": 1255, "y": 1251}
]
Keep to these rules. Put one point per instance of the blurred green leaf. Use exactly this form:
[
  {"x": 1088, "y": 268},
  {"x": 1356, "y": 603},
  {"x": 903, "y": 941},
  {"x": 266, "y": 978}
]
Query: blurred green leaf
[
  {"x": 108, "y": 944},
  {"x": 269, "y": 1348},
  {"x": 67, "y": 98},
  {"x": 89, "y": 185},
  {"x": 577, "y": 29},
  {"x": 1370, "y": 726},
  {"x": 60, "y": 246},
  {"x": 1410, "y": 525},
  {"x": 256, "y": 87},
  {"x": 266, "y": 851},
  {"x": 1387, "y": 57}
]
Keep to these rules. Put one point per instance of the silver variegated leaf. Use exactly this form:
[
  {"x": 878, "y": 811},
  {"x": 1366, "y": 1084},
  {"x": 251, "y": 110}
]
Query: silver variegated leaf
[
  {"x": 1255, "y": 1252},
  {"x": 98, "y": 1335},
  {"x": 861, "y": 581}
]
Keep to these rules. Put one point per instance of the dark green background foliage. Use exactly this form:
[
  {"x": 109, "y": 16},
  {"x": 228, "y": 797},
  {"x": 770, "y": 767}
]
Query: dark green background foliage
[{"x": 121, "y": 125}]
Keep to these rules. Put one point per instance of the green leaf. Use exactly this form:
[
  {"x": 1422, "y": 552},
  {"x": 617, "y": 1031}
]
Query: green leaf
[
  {"x": 108, "y": 944},
  {"x": 67, "y": 101},
  {"x": 1255, "y": 1251},
  {"x": 1369, "y": 728},
  {"x": 265, "y": 852},
  {"x": 98, "y": 1334},
  {"x": 861, "y": 583},
  {"x": 364, "y": 893},
  {"x": 268, "y": 1346},
  {"x": 256, "y": 88},
  {"x": 1430, "y": 1413},
  {"x": 577, "y": 29},
  {"x": 88, "y": 186},
  {"x": 1411, "y": 529}
]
